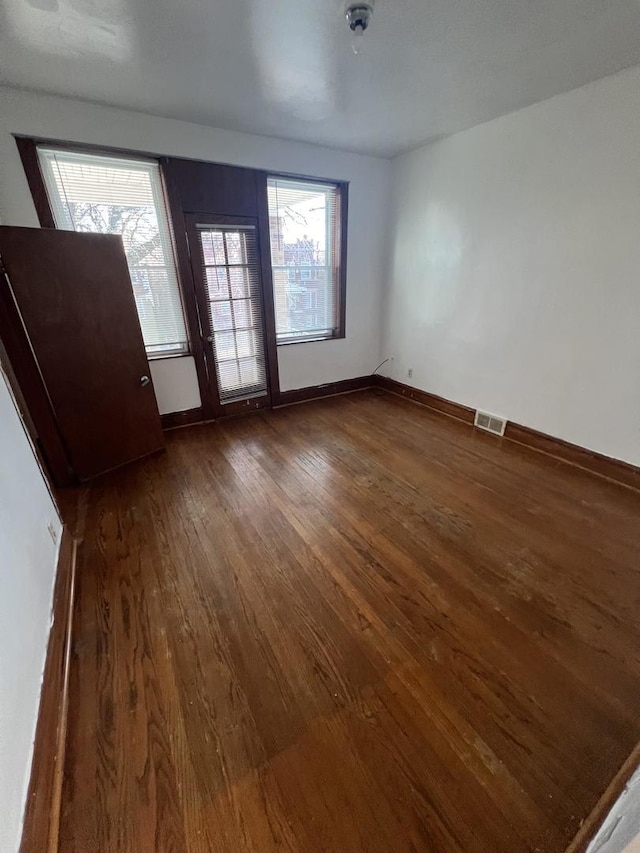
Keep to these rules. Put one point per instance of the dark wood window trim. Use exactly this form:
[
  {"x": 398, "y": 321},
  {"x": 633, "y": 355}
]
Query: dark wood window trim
[
  {"x": 343, "y": 196},
  {"x": 28, "y": 149},
  {"x": 185, "y": 275},
  {"x": 267, "y": 289}
]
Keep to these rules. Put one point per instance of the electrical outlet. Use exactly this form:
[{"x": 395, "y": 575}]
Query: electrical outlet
[
  {"x": 52, "y": 532},
  {"x": 410, "y": 373}
]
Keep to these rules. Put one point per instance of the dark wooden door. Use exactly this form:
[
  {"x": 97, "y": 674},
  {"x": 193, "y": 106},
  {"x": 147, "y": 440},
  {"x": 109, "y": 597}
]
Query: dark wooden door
[
  {"x": 210, "y": 194},
  {"x": 225, "y": 261},
  {"x": 76, "y": 302}
]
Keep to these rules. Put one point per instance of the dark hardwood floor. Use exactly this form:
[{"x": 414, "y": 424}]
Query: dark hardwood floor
[{"x": 351, "y": 625}]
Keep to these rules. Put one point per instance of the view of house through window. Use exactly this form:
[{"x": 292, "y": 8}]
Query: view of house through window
[
  {"x": 304, "y": 223},
  {"x": 113, "y": 195}
]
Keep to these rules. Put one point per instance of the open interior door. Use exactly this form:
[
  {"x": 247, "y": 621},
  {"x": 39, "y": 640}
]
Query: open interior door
[{"x": 74, "y": 298}]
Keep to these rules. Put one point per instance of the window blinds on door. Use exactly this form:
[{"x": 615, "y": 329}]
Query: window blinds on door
[
  {"x": 305, "y": 257},
  {"x": 231, "y": 273},
  {"x": 114, "y": 195}
]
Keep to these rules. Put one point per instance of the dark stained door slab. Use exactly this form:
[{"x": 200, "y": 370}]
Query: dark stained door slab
[
  {"x": 211, "y": 192},
  {"x": 75, "y": 298}
]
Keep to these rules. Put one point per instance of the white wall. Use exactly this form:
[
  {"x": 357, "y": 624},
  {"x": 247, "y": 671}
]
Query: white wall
[
  {"x": 300, "y": 365},
  {"x": 515, "y": 281},
  {"x": 620, "y": 831},
  {"x": 27, "y": 569},
  {"x": 176, "y": 384}
]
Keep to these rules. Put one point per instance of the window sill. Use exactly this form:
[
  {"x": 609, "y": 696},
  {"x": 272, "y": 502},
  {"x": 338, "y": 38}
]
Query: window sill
[
  {"x": 163, "y": 356},
  {"x": 338, "y": 337}
]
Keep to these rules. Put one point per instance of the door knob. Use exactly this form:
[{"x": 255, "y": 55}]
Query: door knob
[{"x": 144, "y": 380}]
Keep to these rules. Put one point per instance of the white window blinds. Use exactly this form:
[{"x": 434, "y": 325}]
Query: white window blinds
[
  {"x": 304, "y": 224},
  {"x": 113, "y": 195}
]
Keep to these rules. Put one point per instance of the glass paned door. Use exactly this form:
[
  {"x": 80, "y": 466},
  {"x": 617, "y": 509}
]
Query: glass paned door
[{"x": 231, "y": 294}]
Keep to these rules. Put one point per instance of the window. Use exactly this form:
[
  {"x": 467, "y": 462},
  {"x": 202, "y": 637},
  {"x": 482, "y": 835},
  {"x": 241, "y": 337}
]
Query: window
[
  {"x": 114, "y": 195},
  {"x": 306, "y": 259}
]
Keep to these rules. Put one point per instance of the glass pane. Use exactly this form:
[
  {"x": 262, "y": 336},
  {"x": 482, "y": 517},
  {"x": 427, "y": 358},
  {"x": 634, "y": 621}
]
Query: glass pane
[
  {"x": 228, "y": 375},
  {"x": 240, "y": 284},
  {"x": 217, "y": 283},
  {"x": 218, "y": 248},
  {"x": 249, "y": 371},
  {"x": 110, "y": 195},
  {"x": 307, "y": 304},
  {"x": 242, "y": 313},
  {"x": 225, "y": 345},
  {"x": 246, "y": 344},
  {"x": 301, "y": 221},
  {"x": 304, "y": 232},
  {"x": 207, "y": 247},
  {"x": 221, "y": 316},
  {"x": 212, "y": 247},
  {"x": 235, "y": 242}
]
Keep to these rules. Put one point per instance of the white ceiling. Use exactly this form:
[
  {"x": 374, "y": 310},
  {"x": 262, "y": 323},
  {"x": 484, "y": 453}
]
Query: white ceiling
[{"x": 285, "y": 67}]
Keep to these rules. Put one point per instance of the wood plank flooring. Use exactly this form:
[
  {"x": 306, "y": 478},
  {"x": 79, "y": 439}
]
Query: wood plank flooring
[{"x": 351, "y": 625}]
